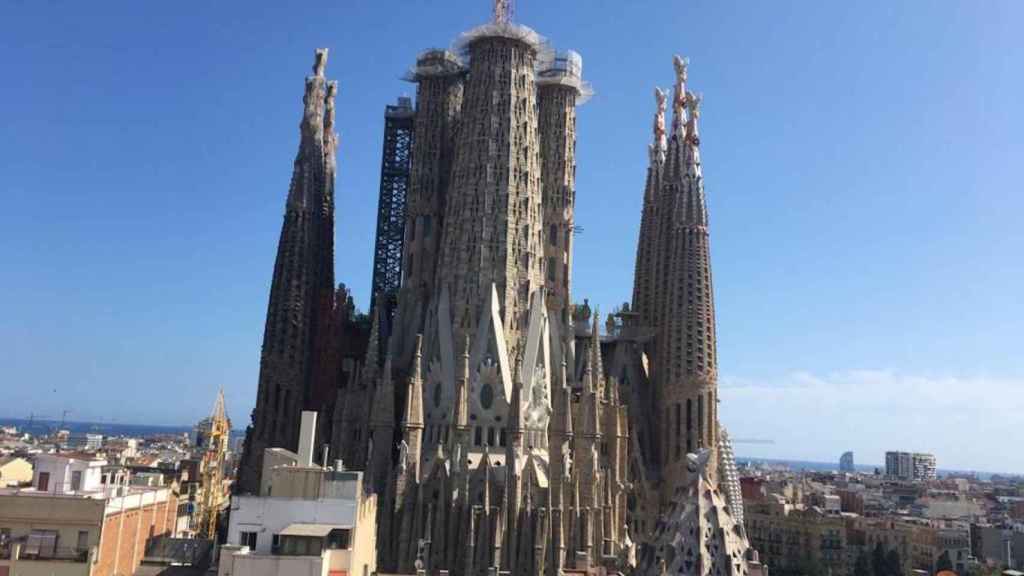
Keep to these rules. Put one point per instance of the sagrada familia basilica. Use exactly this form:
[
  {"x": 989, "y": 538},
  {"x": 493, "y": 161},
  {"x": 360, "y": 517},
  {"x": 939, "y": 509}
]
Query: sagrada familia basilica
[{"x": 501, "y": 426}]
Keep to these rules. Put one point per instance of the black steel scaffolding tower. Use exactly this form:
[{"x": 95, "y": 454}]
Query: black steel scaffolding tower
[{"x": 394, "y": 188}]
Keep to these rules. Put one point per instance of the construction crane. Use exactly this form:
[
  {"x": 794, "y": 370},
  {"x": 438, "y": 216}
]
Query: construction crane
[{"x": 212, "y": 470}]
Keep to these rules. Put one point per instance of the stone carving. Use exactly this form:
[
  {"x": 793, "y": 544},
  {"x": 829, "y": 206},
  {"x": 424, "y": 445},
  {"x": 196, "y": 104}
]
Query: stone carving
[
  {"x": 488, "y": 380},
  {"x": 681, "y": 64},
  {"x": 660, "y": 96},
  {"x": 538, "y": 411},
  {"x": 693, "y": 102},
  {"x": 502, "y": 11},
  {"x": 506, "y": 224},
  {"x": 566, "y": 461},
  {"x": 403, "y": 455},
  {"x": 697, "y": 463},
  {"x": 581, "y": 312}
]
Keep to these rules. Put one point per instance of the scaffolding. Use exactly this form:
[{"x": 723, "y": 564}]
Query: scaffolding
[{"x": 394, "y": 188}]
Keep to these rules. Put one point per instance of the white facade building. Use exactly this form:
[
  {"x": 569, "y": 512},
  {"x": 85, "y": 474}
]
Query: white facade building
[
  {"x": 67, "y": 474},
  {"x": 306, "y": 519}
]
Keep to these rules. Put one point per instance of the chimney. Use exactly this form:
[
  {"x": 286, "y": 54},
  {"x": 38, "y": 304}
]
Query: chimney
[{"x": 307, "y": 436}]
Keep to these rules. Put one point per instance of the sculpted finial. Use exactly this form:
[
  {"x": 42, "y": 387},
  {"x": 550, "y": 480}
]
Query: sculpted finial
[
  {"x": 403, "y": 455},
  {"x": 660, "y": 96},
  {"x": 697, "y": 463},
  {"x": 681, "y": 65},
  {"x": 502, "y": 11},
  {"x": 679, "y": 94},
  {"x": 320, "y": 62},
  {"x": 693, "y": 102}
]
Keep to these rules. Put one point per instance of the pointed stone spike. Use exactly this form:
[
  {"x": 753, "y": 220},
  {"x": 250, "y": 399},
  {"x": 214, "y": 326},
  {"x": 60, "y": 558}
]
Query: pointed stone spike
[
  {"x": 595, "y": 351},
  {"x": 414, "y": 398},
  {"x": 679, "y": 96},
  {"x": 320, "y": 62}
]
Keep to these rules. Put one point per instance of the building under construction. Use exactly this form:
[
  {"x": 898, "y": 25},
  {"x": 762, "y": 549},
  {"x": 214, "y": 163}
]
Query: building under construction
[{"x": 501, "y": 426}]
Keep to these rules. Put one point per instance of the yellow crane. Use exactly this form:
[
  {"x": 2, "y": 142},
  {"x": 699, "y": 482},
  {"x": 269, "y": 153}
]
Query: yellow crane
[{"x": 212, "y": 470}]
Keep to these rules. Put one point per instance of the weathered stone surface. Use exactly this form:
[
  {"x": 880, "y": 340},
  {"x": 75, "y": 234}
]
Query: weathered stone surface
[{"x": 502, "y": 430}]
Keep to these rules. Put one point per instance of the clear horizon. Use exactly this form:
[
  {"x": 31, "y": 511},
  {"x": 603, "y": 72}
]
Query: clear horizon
[
  {"x": 862, "y": 164},
  {"x": 739, "y": 456}
]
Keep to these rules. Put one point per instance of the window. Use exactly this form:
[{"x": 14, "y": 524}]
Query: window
[
  {"x": 275, "y": 543},
  {"x": 83, "y": 540},
  {"x": 553, "y": 235},
  {"x": 700, "y": 421},
  {"x": 477, "y": 436},
  {"x": 426, "y": 225},
  {"x": 486, "y": 396},
  {"x": 247, "y": 539},
  {"x": 301, "y": 546},
  {"x": 490, "y": 436},
  {"x": 551, "y": 269},
  {"x": 76, "y": 480},
  {"x": 43, "y": 484},
  {"x": 338, "y": 539},
  {"x": 689, "y": 425},
  {"x": 41, "y": 544}
]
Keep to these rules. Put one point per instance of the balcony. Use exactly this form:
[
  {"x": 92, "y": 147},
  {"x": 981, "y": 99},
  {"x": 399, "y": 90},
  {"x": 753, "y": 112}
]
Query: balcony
[{"x": 22, "y": 553}]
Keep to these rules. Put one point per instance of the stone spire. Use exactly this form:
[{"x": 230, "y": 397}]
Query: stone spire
[
  {"x": 645, "y": 272},
  {"x": 679, "y": 95},
  {"x": 297, "y": 359},
  {"x": 460, "y": 422},
  {"x": 493, "y": 216},
  {"x": 729, "y": 477},
  {"x": 673, "y": 295},
  {"x": 689, "y": 386},
  {"x": 382, "y": 423},
  {"x": 696, "y": 207},
  {"x": 439, "y": 77},
  {"x": 412, "y": 421},
  {"x": 594, "y": 356},
  {"x": 560, "y": 88}
]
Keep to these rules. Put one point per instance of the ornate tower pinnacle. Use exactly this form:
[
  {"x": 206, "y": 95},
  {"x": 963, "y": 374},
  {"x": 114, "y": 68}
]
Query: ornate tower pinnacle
[
  {"x": 412, "y": 420},
  {"x": 693, "y": 102},
  {"x": 503, "y": 11},
  {"x": 659, "y": 145},
  {"x": 679, "y": 94}
]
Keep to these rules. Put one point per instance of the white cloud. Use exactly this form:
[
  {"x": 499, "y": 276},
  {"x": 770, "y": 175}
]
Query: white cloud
[{"x": 968, "y": 423}]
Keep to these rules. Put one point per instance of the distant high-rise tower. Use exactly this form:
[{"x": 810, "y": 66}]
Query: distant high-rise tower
[
  {"x": 899, "y": 465},
  {"x": 297, "y": 361},
  {"x": 924, "y": 466},
  {"x": 846, "y": 462}
]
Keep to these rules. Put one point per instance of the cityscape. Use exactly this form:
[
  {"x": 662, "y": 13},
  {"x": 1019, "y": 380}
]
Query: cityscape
[{"x": 477, "y": 412}]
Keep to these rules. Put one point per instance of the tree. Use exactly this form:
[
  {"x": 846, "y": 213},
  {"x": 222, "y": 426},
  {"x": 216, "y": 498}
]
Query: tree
[{"x": 944, "y": 562}]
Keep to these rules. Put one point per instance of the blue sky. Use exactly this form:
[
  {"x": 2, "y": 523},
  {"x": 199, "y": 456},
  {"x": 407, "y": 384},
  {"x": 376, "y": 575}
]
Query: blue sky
[{"x": 862, "y": 159}]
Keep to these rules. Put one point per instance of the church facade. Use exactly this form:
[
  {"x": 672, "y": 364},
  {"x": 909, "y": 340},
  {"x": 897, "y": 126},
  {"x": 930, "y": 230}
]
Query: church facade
[{"x": 502, "y": 426}]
